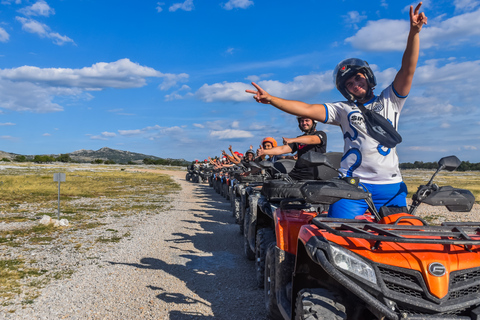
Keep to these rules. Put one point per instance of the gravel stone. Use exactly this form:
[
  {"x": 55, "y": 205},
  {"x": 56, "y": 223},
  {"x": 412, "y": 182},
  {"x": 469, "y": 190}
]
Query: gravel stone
[{"x": 184, "y": 263}]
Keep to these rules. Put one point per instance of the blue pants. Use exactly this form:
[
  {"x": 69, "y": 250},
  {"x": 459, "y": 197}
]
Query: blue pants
[{"x": 394, "y": 195}]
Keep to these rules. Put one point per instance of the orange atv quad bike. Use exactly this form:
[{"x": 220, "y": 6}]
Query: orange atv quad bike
[{"x": 392, "y": 265}]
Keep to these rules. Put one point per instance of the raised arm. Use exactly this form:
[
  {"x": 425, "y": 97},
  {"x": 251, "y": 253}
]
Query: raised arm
[
  {"x": 403, "y": 79},
  {"x": 274, "y": 151},
  {"x": 298, "y": 108},
  {"x": 308, "y": 139}
]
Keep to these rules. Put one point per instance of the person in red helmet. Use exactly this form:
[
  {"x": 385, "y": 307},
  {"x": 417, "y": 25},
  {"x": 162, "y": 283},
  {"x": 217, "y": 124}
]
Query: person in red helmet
[{"x": 376, "y": 165}]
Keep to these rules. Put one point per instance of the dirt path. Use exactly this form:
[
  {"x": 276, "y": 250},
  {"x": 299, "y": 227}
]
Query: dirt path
[{"x": 186, "y": 263}]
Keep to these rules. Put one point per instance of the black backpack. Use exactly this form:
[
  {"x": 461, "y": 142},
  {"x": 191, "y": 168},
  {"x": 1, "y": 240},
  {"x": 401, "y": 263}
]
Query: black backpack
[{"x": 380, "y": 128}]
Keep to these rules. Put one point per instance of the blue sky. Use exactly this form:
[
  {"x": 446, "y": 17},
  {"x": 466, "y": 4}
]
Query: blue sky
[{"x": 168, "y": 78}]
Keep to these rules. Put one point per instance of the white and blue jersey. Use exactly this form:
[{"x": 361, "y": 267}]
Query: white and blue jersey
[{"x": 363, "y": 156}]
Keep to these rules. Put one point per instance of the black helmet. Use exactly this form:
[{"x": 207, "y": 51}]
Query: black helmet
[
  {"x": 348, "y": 68},
  {"x": 250, "y": 151}
]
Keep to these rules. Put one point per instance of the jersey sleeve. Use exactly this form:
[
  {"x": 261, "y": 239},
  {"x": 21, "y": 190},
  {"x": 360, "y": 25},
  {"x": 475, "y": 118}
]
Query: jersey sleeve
[{"x": 333, "y": 113}]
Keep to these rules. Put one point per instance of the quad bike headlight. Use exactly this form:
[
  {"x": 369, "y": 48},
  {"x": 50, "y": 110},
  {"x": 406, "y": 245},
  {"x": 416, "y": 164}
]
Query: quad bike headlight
[{"x": 346, "y": 261}]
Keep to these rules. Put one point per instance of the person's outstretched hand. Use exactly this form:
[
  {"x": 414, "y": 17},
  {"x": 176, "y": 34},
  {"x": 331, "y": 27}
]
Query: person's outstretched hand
[
  {"x": 260, "y": 95},
  {"x": 417, "y": 20}
]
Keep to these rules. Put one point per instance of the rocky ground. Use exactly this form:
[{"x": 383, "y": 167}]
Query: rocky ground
[{"x": 184, "y": 263}]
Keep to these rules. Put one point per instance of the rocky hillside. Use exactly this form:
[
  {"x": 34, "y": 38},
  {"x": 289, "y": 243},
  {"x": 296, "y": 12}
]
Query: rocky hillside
[{"x": 118, "y": 156}]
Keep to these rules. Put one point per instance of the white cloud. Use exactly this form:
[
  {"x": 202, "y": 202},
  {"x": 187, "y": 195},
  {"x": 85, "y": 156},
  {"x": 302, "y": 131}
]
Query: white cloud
[
  {"x": 44, "y": 84},
  {"x": 46, "y": 135},
  {"x": 198, "y": 125},
  {"x": 119, "y": 74},
  {"x": 466, "y": 5},
  {"x": 38, "y": 99},
  {"x": 4, "y": 36},
  {"x": 185, "y": 6},
  {"x": 256, "y": 78},
  {"x": 9, "y": 138},
  {"x": 171, "y": 80},
  {"x": 159, "y": 6},
  {"x": 42, "y": 30},
  {"x": 391, "y": 35},
  {"x": 104, "y": 136},
  {"x": 381, "y": 35},
  {"x": 301, "y": 87},
  {"x": 175, "y": 95},
  {"x": 225, "y": 91},
  {"x": 233, "y": 4},
  {"x": 354, "y": 17},
  {"x": 39, "y": 8},
  {"x": 230, "y": 134},
  {"x": 7, "y": 124},
  {"x": 130, "y": 132}
]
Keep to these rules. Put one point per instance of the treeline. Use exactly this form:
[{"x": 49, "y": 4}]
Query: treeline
[
  {"x": 67, "y": 158},
  {"x": 40, "y": 159},
  {"x": 166, "y": 162},
  {"x": 464, "y": 166}
]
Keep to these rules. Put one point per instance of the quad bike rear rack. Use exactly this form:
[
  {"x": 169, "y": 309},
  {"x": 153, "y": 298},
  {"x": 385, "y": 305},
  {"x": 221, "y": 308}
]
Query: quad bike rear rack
[{"x": 450, "y": 233}]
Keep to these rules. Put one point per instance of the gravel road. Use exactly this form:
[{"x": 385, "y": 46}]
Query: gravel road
[{"x": 185, "y": 263}]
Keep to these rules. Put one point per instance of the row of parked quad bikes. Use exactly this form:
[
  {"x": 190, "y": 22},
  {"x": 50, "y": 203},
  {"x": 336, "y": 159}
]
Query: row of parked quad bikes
[{"x": 389, "y": 264}]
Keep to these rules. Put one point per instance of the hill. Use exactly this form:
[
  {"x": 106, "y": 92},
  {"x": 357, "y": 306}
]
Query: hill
[{"x": 86, "y": 156}]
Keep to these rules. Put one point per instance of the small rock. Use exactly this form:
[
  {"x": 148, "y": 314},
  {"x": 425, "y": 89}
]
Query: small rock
[{"x": 46, "y": 220}]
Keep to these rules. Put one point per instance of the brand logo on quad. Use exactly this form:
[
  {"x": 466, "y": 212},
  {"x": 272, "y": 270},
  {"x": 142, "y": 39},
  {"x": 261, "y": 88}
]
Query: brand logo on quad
[{"x": 437, "y": 269}]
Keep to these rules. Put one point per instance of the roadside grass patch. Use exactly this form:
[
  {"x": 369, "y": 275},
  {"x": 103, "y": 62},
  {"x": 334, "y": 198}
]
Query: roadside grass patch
[
  {"x": 89, "y": 195},
  {"x": 469, "y": 180},
  {"x": 12, "y": 271}
]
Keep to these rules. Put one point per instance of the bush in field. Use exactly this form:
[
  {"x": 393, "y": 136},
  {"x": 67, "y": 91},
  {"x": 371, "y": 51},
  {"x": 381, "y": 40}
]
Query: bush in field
[
  {"x": 20, "y": 158},
  {"x": 43, "y": 159},
  {"x": 165, "y": 162},
  {"x": 64, "y": 158}
]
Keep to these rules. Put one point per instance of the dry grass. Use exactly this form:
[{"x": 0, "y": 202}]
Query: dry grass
[
  {"x": 89, "y": 195},
  {"x": 469, "y": 180}
]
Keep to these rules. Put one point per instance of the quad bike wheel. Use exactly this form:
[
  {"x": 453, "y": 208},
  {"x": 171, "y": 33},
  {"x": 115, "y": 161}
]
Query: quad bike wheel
[
  {"x": 318, "y": 304},
  {"x": 269, "y": 284},
  {"x": 236, "y": 209},
  {"x": 188, "y": 176},
  {"x": 264, "y": 238},
  {"x": 226, "y": 193},
  {"x": 246, "y": 246}
]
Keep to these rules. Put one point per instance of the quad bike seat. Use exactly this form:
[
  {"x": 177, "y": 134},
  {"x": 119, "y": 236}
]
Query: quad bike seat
[{"x": 277, "y": 190}]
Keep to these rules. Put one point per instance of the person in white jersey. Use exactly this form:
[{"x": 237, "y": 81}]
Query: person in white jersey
[{"x": 375, "y": 165}]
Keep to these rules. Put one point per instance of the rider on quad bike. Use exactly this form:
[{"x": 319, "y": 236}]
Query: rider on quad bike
[
  {"x": 364, "y": 157},
  {"x": 311, "y": 140}
]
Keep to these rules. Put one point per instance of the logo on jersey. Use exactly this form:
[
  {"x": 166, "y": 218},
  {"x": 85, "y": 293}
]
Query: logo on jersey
[
  {"x": 377, "y": 106},
  {"x": 356, "y": 119}
]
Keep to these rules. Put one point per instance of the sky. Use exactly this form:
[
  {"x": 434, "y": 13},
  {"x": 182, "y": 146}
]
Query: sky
[{"x": 168, "y": 78}]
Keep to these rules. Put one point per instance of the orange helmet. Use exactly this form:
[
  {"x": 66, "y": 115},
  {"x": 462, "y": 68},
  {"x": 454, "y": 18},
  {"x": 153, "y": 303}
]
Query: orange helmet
[{"x": 271, "y": 140}]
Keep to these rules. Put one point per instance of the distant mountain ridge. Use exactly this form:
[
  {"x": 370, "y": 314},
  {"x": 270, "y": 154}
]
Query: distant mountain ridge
[{"x": 105, "y": 153}]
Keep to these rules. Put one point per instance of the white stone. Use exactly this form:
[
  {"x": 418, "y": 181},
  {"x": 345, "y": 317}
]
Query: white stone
[{"x": 46, "y": 220}]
